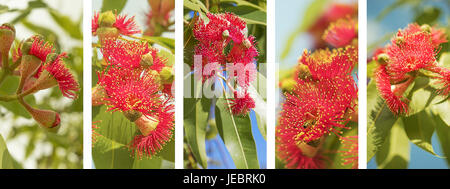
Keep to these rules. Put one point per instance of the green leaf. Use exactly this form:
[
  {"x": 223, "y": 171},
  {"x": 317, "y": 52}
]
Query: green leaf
[
  {"x": 260, "y": 102},
  {"x": 442, "y": 109},
  {"x": 445, "y": 59},
  {"x": 36, "y": 4},
  {"x": 6, "y": 160},
  {"x": 428, "y": 15},
  {"x": 116, "y": 132},
  {"x": 196, "y": 114},
  {"x": 195, "y": 5},
  {"x": 237, "y": 135},
  {"x": 420, "y": 96},
  {"x": 371, "y": 66},
  {"x": 311, "y": 14},
  {"x": 380, "y": 120},
  {"x": 111, "y": 5},
  {"x": 255, "y": 17},
  {"x": 165, "y": 42},
  {"x": 66, "y": 23},
  {"x": 3, "y": 9},
  {"x": 244, "y": 3},
  {"x": 443, "y": 133},
  {"x": 168, "y": 152},
  {"x": 395, "y": 152},
  {"x": 419, "y": 128}
]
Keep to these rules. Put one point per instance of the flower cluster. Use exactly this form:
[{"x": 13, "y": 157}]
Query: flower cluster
[
  {"x": 223, "y": 44},
  {"x": 136, "y": 81},
  {"x": 321, "y": 98},
  {"x": 411, "y": 51},
  {"x": 39, "y": 67}
]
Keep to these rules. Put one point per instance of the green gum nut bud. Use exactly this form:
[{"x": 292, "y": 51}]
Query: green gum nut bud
[
  {"x": 26, "y": 46},
  {"x": 132, "y": 115},
  {"x": 105, "y": 33},
  {"x": 304, "y": 72},
  {"x": 426, "y": 28},
  {"x": 166, "y": 75},
  {"x": 7, "y": 35},
  {"x": 288, "y": 84},
  {"x": 107, "y": 19},
  {"x": 383, "y": 59},
  {"x": 147, "y": 60},
  {"x": 399, "y": 40},
  {"x": 247, "y": 43}
]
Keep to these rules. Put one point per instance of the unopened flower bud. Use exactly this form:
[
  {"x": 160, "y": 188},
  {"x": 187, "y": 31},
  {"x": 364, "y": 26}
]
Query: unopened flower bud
[
  {"x": 399, "y": 40},
  {"x": 247, "y": 43},
  {"x": 25, "y": 47},
  {"x": 132, "y": 115},
  {"x": 311, "y": 148},
  {"x": 7, "y": 35},
  {"x": 107, "y": 19},
  {"x": 166, "y": 75},
  {"x": 288, "y": 84},
  {"x": 303, "y": 72},
  {"x": 28, "y": 67},
  {"x": 225, "y": 34},
  {"x": 105, "y": 33},
  {"x": 45, "y": 81},
  {"x": 383, "y": 59},
  {"x": 147, "y": 60},
  {"x": 98, "y": 95},
  {"x": 426, "y": 28},
  {"x": 146, "y": 124},
  {"x": 45, "y": 118}
]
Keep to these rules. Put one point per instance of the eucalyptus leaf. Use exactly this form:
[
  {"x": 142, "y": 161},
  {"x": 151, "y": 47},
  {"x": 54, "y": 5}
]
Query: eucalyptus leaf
[
  {"x": 419, "y": 128},
  {"x": 380, "y": 120},
  {"x": 112, "y": 5},
  {"x": 237, "y": 135},
  {"x": 395, "y": 151}
]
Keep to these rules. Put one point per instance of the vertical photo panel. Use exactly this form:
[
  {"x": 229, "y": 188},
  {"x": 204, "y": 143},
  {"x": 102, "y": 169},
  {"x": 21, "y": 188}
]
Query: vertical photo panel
[
  {"x": 225, "y": 84},
  {"x": 408, "y": 88},
  {"x": 132, "y": 91},
  {"x": 41, "y": 77},
  {"x": 317, "y": 101}
]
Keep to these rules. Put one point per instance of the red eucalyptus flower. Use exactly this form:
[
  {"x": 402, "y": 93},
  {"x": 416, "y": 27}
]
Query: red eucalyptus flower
[
  {"x": 410, "y": 50},
  {"x": 124, "y": 54},
  {"x": 152, "y": 142},
  {"x": 396, "y": 103},
  {"x": 224, "y": 40},
  {"x": 341, "y": 33},
  {"x": 291, "y": 153},
  {"x": 40, "y": 48},
  {"x": 443, "y": 79},
  {"x": 328, "y": 64},
  {"x": 57, "y": 69},
  {"x": 334, "y": 12},
  {"x": 242, "y": 103},
  {"x": 129, "y": 90},
  {"x": 124, "y": 25},
  {"x": 316, "y": 109}
]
